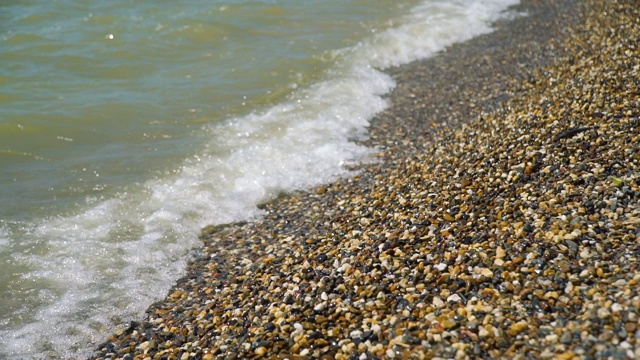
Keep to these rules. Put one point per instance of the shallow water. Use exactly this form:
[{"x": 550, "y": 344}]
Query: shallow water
[{"x": 125, "y": 127}]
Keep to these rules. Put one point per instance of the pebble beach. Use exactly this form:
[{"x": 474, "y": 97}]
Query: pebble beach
[{"x": 500, "y": 218}]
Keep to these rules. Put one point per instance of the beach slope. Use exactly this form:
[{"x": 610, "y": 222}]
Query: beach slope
[{"x": 502, "y": 220}]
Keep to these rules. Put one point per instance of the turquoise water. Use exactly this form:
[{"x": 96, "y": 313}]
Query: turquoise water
[{"x": 126, "y": 126}]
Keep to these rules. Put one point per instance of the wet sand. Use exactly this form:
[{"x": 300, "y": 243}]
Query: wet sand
[{"x": 501, "y": 219}]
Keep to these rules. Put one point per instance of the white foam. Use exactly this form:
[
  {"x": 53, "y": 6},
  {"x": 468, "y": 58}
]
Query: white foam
[
  {"x": 431, "y": 27},
  {"x": 113, "y": 260}
]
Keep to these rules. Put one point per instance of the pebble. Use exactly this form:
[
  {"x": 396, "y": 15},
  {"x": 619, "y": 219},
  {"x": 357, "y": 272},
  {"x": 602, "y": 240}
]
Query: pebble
[
  {"x": 512, "y": 191},
  {"x": 441, "y": 266},
  {"x": 486, "y": 272},
  {"x": 566, "y": 338},
  {"x": 437, "y": 302},
  {"x": 603, "y": 313},
  {"x": 454, "y": 298}
]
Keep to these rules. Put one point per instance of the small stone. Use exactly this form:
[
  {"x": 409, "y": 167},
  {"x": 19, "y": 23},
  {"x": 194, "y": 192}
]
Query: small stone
[
  {"x": 176, "y": 294},
  {"x": 630, "y": 327},
  {"x": 390, "y": 354},
  {"x": 486, "y": 272},
  {"x": 585, "y": 254},
  {"x": 437, "y": 302},
  {"x": 500, "y": 253},
  {"x": 321, "y": 258},
  {"x": 483, "y": 332},
  {"x": 551, "y": 338},
  {"x": 517, "y": 328},
  {"x": 603, "y": 312},
  {"x": 410, "y": 339},
  {"x": 441, "y": 266},
  {"x": 447, "y": 324},
  {"x": 568, "y": 355},
  {"x": 622, "y": 333},
  {"x": 571, "y": 245},
  {"x": 566, "y": 338},
  {"x": 261, "y": 351},
  {"x": 606, "y": 335},
  {"x": 314, "y": 335},
  {"x": 551, "y": 295}
]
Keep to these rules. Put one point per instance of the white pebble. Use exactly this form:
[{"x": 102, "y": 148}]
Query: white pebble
[
  {"x": 441, "y": 266},
  {"x": 568, "y": 288},
  {"x": 437, "y": 302},
  {"x": 603, "y": 313},
  {"x": 391, "y": 354},
  {"x": 551, "y": 338},
  {"x": 483, "y": 332},
  {"x": 584, "y": 273}
]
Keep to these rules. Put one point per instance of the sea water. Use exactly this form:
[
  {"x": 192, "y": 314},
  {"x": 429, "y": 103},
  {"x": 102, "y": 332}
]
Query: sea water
[{"x": 126, "y": 126}]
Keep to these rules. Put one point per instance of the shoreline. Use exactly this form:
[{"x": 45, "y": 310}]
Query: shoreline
[{"x": 501, "y": 217}]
